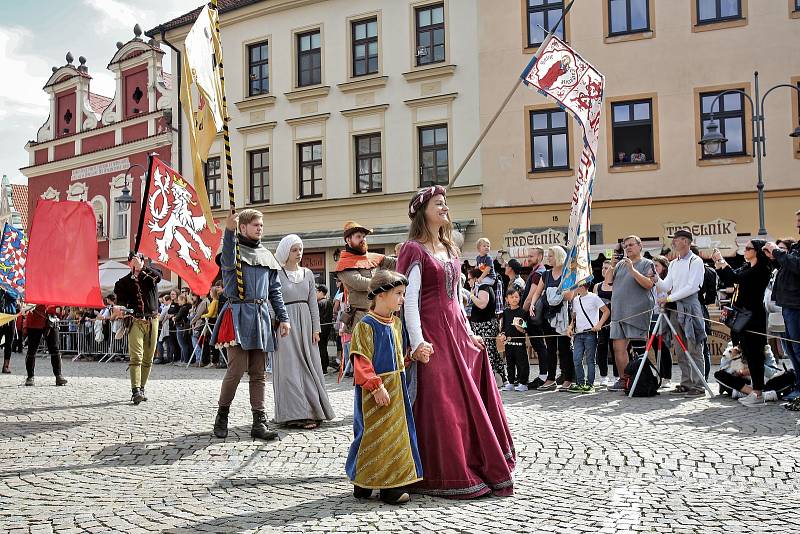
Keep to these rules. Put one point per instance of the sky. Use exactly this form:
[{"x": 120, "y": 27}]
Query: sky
[{"x": 35, "y": 36}]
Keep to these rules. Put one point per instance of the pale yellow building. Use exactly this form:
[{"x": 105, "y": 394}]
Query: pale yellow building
[
  {"x": 340, "y": 109},
  {"x": 659, "y": 58}
]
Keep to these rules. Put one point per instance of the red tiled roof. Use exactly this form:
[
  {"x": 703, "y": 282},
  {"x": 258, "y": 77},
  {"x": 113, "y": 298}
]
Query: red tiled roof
[
  {"x": 19, "y": 196},
  {"x": 189, "y": 18},
  {"x": 99, "y": 103}
]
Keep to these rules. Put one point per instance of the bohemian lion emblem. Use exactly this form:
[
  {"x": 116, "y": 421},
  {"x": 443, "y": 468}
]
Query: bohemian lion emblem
[{"x": 169, "y": 206}]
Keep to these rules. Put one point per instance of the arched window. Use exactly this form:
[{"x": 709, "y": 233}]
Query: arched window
[{"x": 100, "y": 207}]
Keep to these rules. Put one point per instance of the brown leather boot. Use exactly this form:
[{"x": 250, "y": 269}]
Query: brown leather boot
[{"x": 259, "y": 429}]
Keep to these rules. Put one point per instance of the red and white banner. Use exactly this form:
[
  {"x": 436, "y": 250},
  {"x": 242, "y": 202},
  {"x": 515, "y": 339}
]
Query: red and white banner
[
  {"x": 174, "y": 231},
  {"x": 61, "y": 268},
  {"x": 559, "y": 72}
]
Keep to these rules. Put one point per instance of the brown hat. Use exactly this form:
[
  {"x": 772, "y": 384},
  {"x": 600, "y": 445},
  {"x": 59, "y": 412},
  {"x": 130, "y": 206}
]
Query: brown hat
[
  {"x": 682, "y": 233},
  {"x": 351, "y": 227}
]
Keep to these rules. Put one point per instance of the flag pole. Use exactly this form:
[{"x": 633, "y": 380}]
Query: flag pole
[
  {"x": 148, "y": 174},
  {"x": 491, "y": 122},
  {"x": 226, "y": 136}
]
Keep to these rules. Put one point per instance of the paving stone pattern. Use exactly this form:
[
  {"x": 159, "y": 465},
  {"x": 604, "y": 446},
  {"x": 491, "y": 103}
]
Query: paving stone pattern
[{"x": 82, "y": 458}]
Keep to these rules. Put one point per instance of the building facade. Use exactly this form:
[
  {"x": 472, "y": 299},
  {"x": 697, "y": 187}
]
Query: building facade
[
  {"x": 339, "y": 110},
  {"x": 89, "y": 142},
  {"x": 13, "y": 204},
  {"x": 664, "y": 63}
]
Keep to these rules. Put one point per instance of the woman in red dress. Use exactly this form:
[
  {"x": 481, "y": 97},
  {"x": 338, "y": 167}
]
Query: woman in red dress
[{"x": 464, "y": 441}]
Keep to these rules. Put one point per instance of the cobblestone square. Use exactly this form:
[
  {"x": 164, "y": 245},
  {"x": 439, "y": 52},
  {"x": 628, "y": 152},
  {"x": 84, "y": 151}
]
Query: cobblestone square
[{"x": 82, "y": 458}]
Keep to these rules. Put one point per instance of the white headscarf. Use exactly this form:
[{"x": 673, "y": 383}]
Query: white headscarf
[{"x": 286, "y": 244}]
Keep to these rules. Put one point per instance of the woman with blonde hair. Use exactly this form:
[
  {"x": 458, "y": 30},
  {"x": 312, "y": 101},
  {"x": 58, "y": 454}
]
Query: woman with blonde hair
[
  {"x": 297, "y": 378},
  {"x": 464, "y": 441}
]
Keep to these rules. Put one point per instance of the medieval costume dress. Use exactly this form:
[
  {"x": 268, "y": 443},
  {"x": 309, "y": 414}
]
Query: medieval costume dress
[
  {"x": 297, "y": 378},
  {"x": 384, "y": 451},
  {"x": 464, "y": 441}
]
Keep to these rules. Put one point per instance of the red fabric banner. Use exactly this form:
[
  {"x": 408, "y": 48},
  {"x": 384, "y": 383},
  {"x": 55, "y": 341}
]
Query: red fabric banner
[
  {"x": 174, "y": 230},
  {"x": 62, "y": 267}
]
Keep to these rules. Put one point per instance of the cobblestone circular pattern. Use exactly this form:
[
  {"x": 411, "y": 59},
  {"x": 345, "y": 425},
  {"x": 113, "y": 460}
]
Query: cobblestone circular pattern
[{"x": 82, "y": 458}]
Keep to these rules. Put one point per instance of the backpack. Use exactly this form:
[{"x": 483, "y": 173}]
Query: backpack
[
  {"x": 649, "y": 380},
  {"x": 708, "y": 291}
]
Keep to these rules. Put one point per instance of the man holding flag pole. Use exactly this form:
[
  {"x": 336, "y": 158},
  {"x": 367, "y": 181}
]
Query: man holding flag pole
[{"x": 244, "y": 324}]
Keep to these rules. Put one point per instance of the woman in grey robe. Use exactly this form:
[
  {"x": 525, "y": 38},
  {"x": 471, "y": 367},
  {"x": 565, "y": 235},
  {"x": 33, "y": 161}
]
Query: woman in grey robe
[{"x": 297, "y": 378}]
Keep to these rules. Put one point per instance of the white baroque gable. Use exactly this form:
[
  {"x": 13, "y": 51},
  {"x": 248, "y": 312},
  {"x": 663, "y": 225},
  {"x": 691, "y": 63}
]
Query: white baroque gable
[
  {"x": 51, "y": 194},
  {"x": 78, "y": 191}
]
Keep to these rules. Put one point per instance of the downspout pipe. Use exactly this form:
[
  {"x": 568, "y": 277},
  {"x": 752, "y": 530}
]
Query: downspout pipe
[{"x": 178, "y": 88}]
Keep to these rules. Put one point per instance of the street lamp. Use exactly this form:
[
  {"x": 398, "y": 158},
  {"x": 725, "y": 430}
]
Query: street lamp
[
  {"x": 712, "y": 139},
  {"x": 124, "y": 200}
]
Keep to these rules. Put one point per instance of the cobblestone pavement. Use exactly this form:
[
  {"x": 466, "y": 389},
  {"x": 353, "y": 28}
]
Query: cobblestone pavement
[{"x": 81, "y": 458}]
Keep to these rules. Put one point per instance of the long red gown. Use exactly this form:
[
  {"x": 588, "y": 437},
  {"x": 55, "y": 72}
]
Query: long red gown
[{"x": 464, "y": 441}]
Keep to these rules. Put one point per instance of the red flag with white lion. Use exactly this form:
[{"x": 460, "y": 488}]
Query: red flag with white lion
[{"x": 173, "y": 229}]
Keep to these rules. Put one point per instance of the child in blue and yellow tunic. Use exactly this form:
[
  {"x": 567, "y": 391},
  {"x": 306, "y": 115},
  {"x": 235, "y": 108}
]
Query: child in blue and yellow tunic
[{"x": 384, "y": 452}]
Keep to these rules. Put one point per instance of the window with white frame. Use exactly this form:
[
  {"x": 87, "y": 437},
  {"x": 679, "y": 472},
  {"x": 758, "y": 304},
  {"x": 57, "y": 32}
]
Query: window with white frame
[
  {"x": 365, "y": 46},
  {"x": 309, "y": 58},
  {"x": 430, "y": 28},
  {"x": 369, "y": 170}
]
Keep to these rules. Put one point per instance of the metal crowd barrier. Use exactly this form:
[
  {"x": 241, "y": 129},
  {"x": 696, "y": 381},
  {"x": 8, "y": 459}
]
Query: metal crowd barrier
[{"x": 77, "y": 338}]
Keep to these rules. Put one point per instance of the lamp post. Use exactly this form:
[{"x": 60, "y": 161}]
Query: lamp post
[
  {"x": 712, "y": 140},
  {"x": 124, "y": 200}
]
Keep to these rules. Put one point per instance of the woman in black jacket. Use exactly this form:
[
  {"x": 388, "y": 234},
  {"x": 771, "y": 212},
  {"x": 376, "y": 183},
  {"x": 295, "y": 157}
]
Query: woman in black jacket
[{"x": 749, "y": 282}]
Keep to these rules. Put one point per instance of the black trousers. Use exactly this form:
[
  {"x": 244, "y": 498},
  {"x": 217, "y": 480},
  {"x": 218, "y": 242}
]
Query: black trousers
[
  {"x": 729, "y": 381},
  {"x": 324, "y": 335},
  {"x": 7, "y": 333},
  {"x": 558, "y": 352},
  {"x": 517, "y": 363},
  {"x": 538, "y": 345},
  {"x": 753, "y": 352},
  {"x": 603, "y": 349},
  {"x": 51, "y": 338}
]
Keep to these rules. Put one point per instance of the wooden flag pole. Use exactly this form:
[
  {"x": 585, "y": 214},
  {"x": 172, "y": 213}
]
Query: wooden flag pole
[
  {"x": 491, "y": 122},
  {"x": 226, "y": 135}
]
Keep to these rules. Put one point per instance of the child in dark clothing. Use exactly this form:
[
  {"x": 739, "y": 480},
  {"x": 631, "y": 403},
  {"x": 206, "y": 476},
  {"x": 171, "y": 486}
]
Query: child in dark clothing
[{"x": 513, "y": 334}]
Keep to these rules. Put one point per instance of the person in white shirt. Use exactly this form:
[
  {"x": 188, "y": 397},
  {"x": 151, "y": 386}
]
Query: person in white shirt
[
  {"x": 683, "y": 281},
  {"x": 589, "y": 314}
]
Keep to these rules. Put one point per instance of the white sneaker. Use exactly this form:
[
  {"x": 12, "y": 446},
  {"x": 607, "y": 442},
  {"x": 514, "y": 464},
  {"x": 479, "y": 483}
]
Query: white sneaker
[
  {"x": 508, "y": 386},
  {"x": 521, "y": 387},
  {"x": 751, "y": 400},
  {"x": 736, "y": 394},
  {"x": 770, "y": 396}
]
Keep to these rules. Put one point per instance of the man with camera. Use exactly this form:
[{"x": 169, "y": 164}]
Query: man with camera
[
  {"x": 683, "y": 282},
  {"x": 137, "y": 295}
]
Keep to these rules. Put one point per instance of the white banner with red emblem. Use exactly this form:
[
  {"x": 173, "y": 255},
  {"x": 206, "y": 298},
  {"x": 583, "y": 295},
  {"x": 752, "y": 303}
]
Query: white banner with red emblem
[{"x": 559, "y": 72}]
